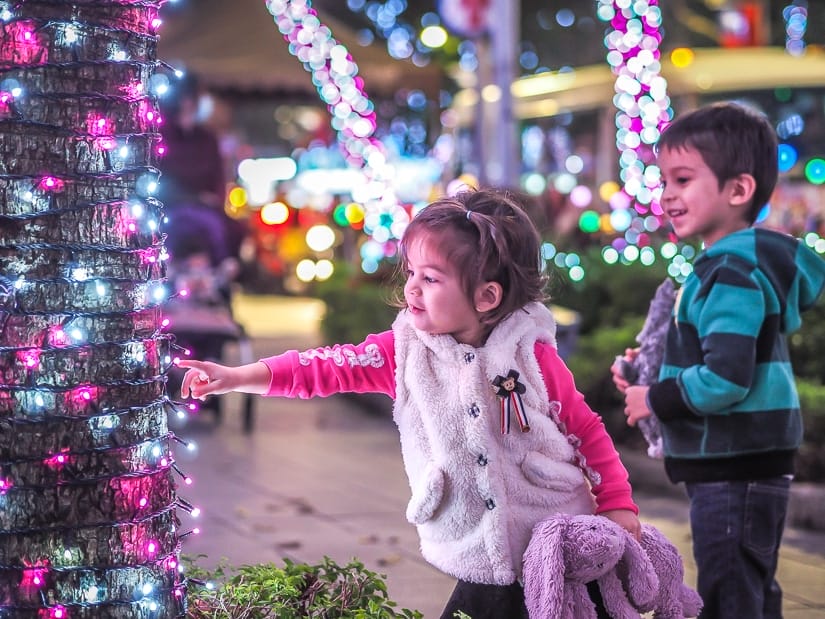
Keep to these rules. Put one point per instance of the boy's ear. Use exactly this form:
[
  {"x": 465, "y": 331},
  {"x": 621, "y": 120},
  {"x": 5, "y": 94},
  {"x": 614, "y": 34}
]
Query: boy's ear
[
  {"x": 742, "y": 188},
  {"x": 488, "y": 296}
]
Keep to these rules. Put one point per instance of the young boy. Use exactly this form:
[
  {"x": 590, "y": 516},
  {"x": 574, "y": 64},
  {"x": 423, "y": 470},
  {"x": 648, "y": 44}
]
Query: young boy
[{"x": 726, "y": 396}]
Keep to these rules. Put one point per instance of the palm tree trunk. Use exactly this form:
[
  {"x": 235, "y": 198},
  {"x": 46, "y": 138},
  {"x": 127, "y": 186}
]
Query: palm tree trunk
[{"x": 88, "y": 521}]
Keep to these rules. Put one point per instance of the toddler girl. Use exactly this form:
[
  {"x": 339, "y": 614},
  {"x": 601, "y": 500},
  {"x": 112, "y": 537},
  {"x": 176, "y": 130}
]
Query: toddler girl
[{"x": 494, "y": 435}]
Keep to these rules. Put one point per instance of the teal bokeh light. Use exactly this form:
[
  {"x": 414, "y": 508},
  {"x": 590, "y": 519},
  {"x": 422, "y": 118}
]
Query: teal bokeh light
[
  {"x": 787, "y": 157},
  {"x": 815, "y": 171}
]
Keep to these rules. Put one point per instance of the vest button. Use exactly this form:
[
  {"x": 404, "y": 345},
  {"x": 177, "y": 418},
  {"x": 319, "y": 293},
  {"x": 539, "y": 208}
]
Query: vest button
[
  {"x": 482, "y": 460},
  {"x": 490, "y": 503},
  {"x": 468, "y": 357},
  {"x": 474, "y": 410}
]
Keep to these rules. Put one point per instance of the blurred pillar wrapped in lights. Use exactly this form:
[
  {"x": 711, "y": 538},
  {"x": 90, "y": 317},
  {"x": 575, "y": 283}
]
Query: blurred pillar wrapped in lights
[{"x": 88, "y": 504}]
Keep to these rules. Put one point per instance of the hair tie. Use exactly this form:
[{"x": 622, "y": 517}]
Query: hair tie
[{"x": 469, "y": 212}]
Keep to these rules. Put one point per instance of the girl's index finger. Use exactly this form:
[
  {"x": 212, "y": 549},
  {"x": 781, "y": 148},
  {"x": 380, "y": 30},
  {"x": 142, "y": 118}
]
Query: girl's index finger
[{"x": 191, "y": 363}]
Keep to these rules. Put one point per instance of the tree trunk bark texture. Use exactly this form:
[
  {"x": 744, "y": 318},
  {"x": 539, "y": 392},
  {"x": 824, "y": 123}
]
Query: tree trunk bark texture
[{"x": 88, "y": 503}]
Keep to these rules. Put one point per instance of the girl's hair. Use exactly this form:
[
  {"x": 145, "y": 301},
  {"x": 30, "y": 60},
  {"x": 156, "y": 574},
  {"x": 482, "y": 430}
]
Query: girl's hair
[
  {"x": 732, "y": 139},
  {"x": 486, "y": 236}
]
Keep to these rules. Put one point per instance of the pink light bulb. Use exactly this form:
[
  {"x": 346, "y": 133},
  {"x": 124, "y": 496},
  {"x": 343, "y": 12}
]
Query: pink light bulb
[
  {"x": 164, "y": 462},
  {"x": 187, "y": 480},
  {"x": 164, "y": 322},
  {"x": 58, "y": 337},
  {"x": 50, "y": 183},
  {"x": 29, "y": 358},
  {"x": 143, "y": 502},
  {"x": 152, "y": 547}
]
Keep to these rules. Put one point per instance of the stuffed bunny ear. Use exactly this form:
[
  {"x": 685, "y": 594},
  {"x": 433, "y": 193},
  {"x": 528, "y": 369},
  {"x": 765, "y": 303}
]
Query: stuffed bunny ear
[
  {"x": 638, "y": 575},
  {"x": 544, "y": 569}
]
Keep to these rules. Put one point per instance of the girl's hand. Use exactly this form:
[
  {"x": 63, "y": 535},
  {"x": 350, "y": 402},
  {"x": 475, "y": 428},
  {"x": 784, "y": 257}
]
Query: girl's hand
[
  {"x": 204, "y": 378},
  {"x": 627, "y": 520}
]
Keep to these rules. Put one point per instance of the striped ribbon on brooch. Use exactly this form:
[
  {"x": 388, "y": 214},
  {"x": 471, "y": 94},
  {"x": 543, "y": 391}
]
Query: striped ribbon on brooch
[{"x": 509, "y": 390}]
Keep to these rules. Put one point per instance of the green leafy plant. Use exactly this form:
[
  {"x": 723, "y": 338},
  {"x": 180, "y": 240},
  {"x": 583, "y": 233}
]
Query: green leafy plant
[{"x": 295, "y": 590}]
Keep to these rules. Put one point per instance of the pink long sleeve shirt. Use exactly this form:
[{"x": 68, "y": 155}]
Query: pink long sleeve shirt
[{"x": 369, "y": 367}]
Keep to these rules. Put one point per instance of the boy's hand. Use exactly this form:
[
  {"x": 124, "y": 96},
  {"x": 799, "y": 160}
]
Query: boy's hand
[
  {"x": 627, "y": 520},
  {"x": 619, "y": 378},
  {"x": 635, "y": 404}
]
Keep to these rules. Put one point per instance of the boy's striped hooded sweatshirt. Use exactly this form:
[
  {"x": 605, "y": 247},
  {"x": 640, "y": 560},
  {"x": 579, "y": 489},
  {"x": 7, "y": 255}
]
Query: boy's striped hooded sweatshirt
[{"x": 726, "y": 394}]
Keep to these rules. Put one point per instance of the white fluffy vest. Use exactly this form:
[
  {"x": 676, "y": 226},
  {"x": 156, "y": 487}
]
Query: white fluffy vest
[{"x": 477, "y": 493}]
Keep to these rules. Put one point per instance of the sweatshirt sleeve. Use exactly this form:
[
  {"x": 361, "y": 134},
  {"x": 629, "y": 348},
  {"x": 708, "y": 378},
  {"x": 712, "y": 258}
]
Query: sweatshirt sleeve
[
  {"x": 716, "y": 361},
  {"x": 586, "y": 433},
  {"x": 368, "y": 367}
]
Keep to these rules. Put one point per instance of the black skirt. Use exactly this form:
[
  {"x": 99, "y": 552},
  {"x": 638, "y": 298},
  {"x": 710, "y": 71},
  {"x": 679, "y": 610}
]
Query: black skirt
[{"x": 501, "y": 601}]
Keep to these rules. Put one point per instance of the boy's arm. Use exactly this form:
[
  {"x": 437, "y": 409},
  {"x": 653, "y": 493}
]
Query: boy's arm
[
  {"x": 719, "y": 370},
  {"x": 368, "y": 367},
  {"x": 585, "y": 430}
]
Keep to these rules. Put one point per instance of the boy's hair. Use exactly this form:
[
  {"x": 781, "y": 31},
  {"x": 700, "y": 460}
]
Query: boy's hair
[
  {"x": 487, "y": 237},
  {"x": 732, "y": 139}
]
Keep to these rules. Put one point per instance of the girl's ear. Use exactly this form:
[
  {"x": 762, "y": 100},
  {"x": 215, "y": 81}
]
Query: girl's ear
[
  {"x": 488, "y": 296},
  {"x": 742, "y": 188}
]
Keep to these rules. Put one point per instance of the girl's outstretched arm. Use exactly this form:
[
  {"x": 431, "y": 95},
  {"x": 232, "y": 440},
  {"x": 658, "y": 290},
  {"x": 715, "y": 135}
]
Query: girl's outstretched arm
[{"x": 204, "y": 378}]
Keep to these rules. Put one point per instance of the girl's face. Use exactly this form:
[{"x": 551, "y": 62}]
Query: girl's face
[{"x": 435, "y": 297}]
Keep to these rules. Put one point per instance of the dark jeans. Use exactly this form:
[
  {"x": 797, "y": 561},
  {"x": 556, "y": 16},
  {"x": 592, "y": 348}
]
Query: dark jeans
[
  {"x": 501, "y": 601},
  {"x": 737, "y": 529}
]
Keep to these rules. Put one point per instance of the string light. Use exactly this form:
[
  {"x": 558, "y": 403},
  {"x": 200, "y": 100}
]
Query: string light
[
  {"x": 335, "y": 76},
  {"x": 643, "y": 107},
  {"x": 89, "y": 518},
  {"x": 796, "y": 24}
]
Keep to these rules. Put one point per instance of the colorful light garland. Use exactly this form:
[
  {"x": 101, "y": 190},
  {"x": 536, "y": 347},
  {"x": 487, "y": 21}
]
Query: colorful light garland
[
  {"x": 643, "y": 108},
  {"x": 335, "y": 76},
  {"x": 796, "y": 24},
  {"x": 88, "y": 504}
]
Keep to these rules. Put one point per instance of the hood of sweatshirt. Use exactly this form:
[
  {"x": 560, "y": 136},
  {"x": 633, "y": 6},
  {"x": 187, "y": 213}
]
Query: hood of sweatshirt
[{"x": 794, "y": 270}]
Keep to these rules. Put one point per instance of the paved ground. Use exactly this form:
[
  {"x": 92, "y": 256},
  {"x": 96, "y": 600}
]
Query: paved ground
[{"x": 324, "y": 477}]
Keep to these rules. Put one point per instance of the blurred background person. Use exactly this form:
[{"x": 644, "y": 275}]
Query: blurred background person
[{"x": 193, "y": 181}]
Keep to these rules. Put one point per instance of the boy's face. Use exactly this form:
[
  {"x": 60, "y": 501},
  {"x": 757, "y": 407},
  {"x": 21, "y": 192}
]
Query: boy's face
[{"x": 693, "y": 200}]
